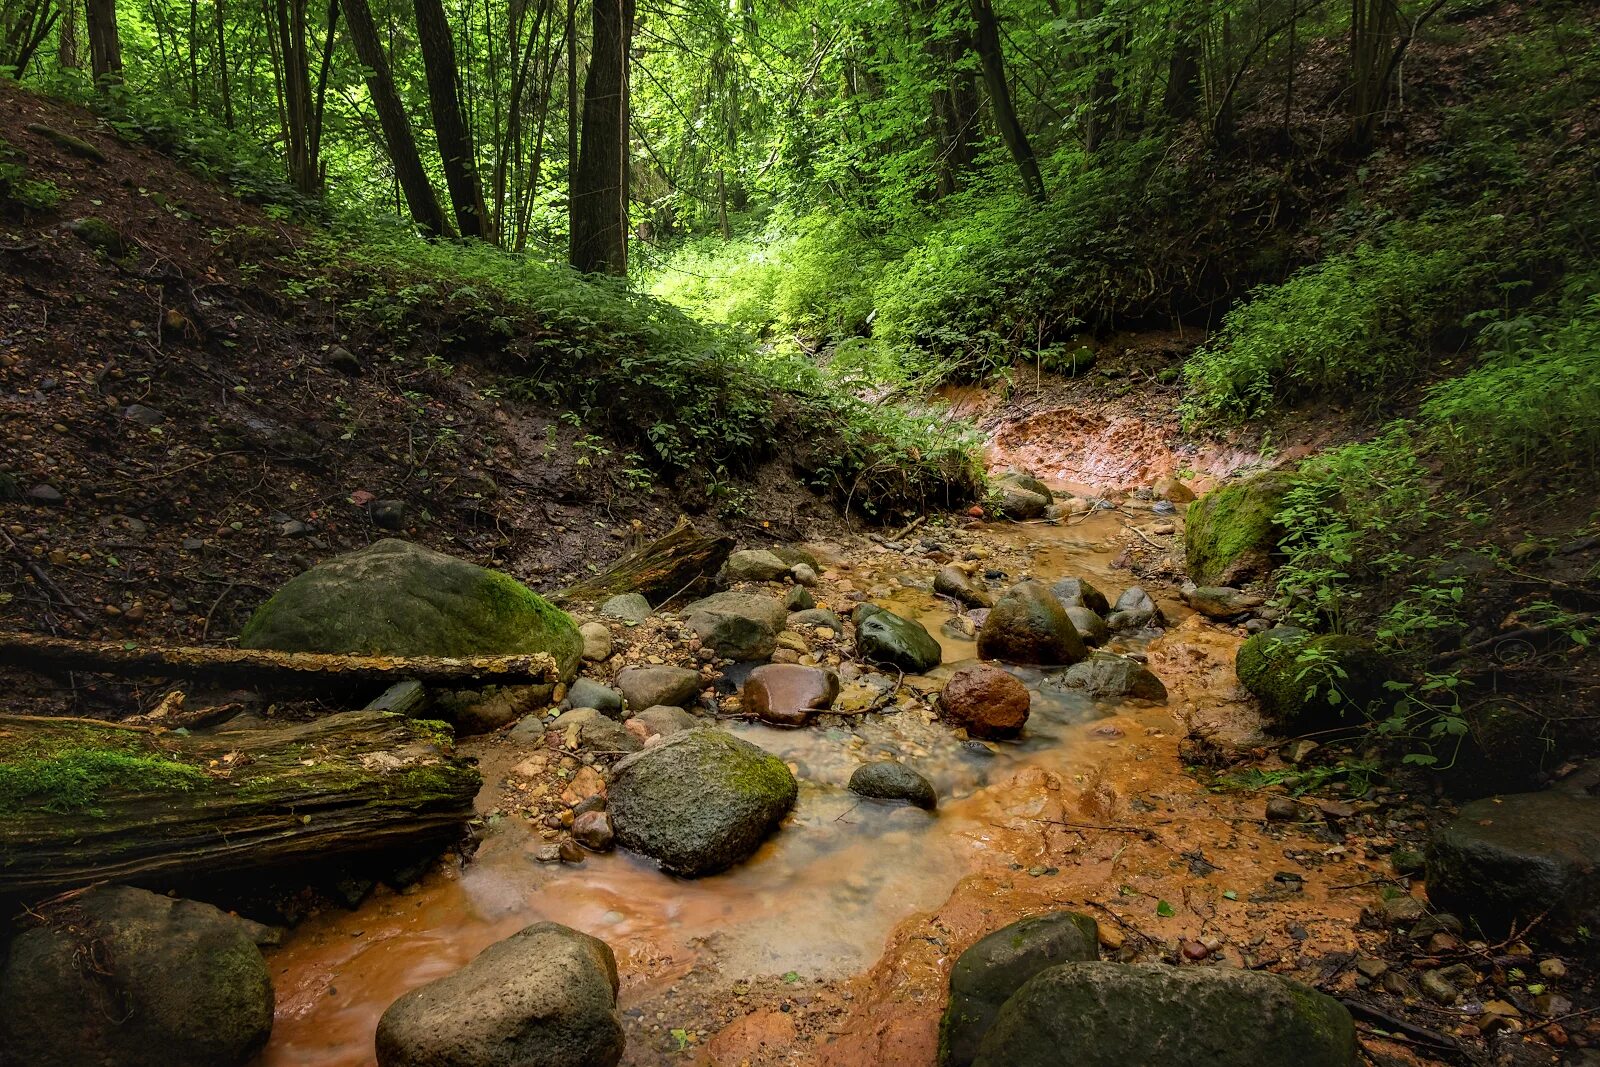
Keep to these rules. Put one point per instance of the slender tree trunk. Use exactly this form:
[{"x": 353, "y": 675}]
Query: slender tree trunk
[
  {"x": 67, "y": 37},
  {"x": 455, "y": 139},
  {"x": 397, "y": 135},
  {"x": 572, "y": 119},
  {"x": 987, "y": 43},
  {"x": 954, "y": 99},
  {"x": 222, "y": 66},
  {"x": 105, "y": 44},
  {"x": 298, "y": 147},
  {"x": 600, "y": 217},
  {"x": 194, "y": 55},
  {"x": 1372, "y": 31}
]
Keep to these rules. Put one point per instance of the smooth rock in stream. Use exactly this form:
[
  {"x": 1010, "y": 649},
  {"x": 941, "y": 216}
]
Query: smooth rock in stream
[
  {"x": 742, "y": 627},
  {"x": 1015, "y": 502},
  {"x": 1134, "y": 609},
  {"x": 699, "y": 801},
  {"x": 892, "y": 780},
  {"x": 1218, "y": 601},
  {"x": 394, "y": 598},
  {"x": 787, "y": 694},
  {"x": 987, "y": 974},
  {"x": 1028, "y": 625},
  {"x": 1077, "y": 592},
  {"x": 1117, "y": 1015},
  {"x": 628, "y": 607},
  {"x": 754, "y": 565},
  {"x": 136, "y": 980},
  {"x": 814, "y": 617},
  {"x": 953, "y": 582},
  {"x": 586, "y": 728},
  {"x": 1090, "y": 626},
  {"x": 588, "y": 693},
  {"x": 660, "y": 721},
  {"x": 1106, "y": 676},
  {"x": 985, "y": 701},
  {"x": 544, "y": 997},
  {"x": 887, "y": 639},
  {"x": 648, "y": 687}
]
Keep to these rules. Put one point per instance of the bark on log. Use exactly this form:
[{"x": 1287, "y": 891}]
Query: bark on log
[
  {"x": 83, "y": 803},
  {"x": 259, "y": 667},
  {"x": 658, "y": 570}
]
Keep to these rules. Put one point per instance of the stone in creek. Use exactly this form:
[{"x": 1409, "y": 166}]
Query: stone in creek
[
  {"x": 596, "y": 641},
  {"x": 1022, "y": 479},
  {"x": 1133, "y": 609},
  {"x": 884, "y": 638},
  {"x": 786, "y": 694},
  {"x": 1076, "y": 591},
  {"x": 814, "y": 617},
  {"x": 585, "y": 783},
  {"x": 660, "y": 721},
  {"x": 588, "y": 693},
  {"x": 986, "y": 701},
  {"x": 798, "y": 598},
  {"x": 543, "y": 997},
  {"x": 629, "y": 607},
  {"x": 593, "y": 830},
  {"x": 1029, "y": 625},
  {"x": 648, "y": 687},
  {"x": 587, "y": 728},
  {"x": 699, "y": 801},
  {"x": 1219, "y": 602},
  {"x": 1171, "y": 489},
  {"x": 754, "y": 565},
  {"x": 1107, "y": 676},
  {"x": 739, "y": 626},
  {"x": 891, "y": 780},
  {"x": 1113, "y": 1015},
  {"x": 953, "y": 582},
  {"x": 1090, "y": 626},
  {"x": 173, "y": 983},
  {"x": 1517, "y": 857},
  {"x": 1021, "y": 504},
  {"x": 987, "y": 974}
]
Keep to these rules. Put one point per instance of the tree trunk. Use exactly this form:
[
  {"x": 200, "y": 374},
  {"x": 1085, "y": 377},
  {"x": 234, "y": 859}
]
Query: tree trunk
[
  {"x": 599, "y": 240},
  {"x": 67, "y": 36},
  {"x": 455, "y": 139},
  {"x": 397, "y": 135},
  {"x": 249, "y": 666},
  {"x": 658, "y": 570},
  {"x": 160, "y": 808},
  {"x": 222, "y": 66},
  {"x": 954, "y": 99},
  {"x": 105, "y": 44},
  {"x": 299, "y": 150},
  {"x": 987, "y": 43}
]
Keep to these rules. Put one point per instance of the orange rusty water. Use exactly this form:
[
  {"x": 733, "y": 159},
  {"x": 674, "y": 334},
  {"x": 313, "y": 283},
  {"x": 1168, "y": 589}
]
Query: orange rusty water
[{"x": 821, "y": 898}]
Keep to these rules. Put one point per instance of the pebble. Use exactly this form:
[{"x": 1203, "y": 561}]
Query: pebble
[{"x": 1552, "y": 968}]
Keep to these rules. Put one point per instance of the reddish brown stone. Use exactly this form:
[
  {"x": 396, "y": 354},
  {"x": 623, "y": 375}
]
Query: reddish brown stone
[
  {"x": 985, "y": 700},
  {"x": 593, "y": 831},
  {"x": 787, "y": 694}
]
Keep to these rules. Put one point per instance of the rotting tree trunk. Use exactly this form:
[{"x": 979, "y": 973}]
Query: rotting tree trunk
[
  {"x": 197, "y": 806},
  {"x": 456, "y": 153},
  {"x": 397, "y": 135},
  {"x": 245, "y": 666},
  {"x": 657, "y": 570}
]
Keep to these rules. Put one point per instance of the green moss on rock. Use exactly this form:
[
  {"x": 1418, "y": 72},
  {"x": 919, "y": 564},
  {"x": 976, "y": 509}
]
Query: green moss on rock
[
  {"x": 1230, "y": 532},
  {"x": 394, "y": 598},
  {"x": 1306, "y": 681}
]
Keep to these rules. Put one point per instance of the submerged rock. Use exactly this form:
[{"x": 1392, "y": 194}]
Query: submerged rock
[
  {"x": 544, "y": 997},
  {"x": 787, "y": 694},
  {"x": 1114, "y": 1015},
  {"x": 1514, "y": 858},
  {"x": 395, "y": 598},
  {"x": 987, "y": 974},
  {"x": 953, "y": 582},
  {"x": 1107, "y": 676},
  {"x": 1029, "y": 625},
  {"x": 891, "y": 780},
  {"x": 1135, "y": 608},
  {"x": 885, "y": 638},
  {"x": 699, "y": 801},
  {"x": 137, "y": 980},
  {"x": 1077, "y": 592},
  {"x": 739, "y": 626},
  {"x": 985, "y": 701}
]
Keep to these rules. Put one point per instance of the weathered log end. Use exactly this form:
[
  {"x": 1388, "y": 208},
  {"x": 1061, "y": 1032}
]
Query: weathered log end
[
  {"x": 82, "y": 802},
  {"x": 660, "y": 569}
]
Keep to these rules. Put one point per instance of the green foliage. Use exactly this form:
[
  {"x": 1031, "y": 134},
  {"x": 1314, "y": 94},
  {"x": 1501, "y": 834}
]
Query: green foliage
[
  {"x": 19, "y": 191},
  {"x": 1356, "y": 323}
]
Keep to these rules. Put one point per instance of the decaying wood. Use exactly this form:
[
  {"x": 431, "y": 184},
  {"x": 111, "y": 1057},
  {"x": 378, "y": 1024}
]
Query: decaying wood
[
  {"x": 350, "y": 782},
  {"x": 258, "y": 667},
  {"x": 658, "y": 570}
]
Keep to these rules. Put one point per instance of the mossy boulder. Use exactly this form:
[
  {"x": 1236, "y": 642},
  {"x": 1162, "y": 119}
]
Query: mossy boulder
[
  {"x": 699, "y": 801},
  {"x": 1230, "y": 533},
  {"x": 394, "y": 598},
  {"x": 987, "y": 974},
  {"x": 1305, "y": 682},
  {"x": 1114, "y": 1015}
]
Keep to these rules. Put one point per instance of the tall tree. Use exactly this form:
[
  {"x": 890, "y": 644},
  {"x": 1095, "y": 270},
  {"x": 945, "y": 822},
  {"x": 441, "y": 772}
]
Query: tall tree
[
  {"x": 305, "y": 170},
  {"x": 105, "y": 43},
  {"x": 449, "y": 126},
  {"x": 398, "y": 138},
  {"x": 987, "y": 43},
  {"x": 599, "y": 238}
]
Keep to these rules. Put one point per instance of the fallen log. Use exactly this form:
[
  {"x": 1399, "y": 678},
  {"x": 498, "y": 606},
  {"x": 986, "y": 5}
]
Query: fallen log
[
  {"x": 83, "y": 803},
  {"x": 658, "y": 570},
  {"x": 261, "y": 667}
]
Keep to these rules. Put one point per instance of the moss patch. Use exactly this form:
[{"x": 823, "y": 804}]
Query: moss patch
[
  {"x": 76, "y": 779},
  {"x": 1231, "y": 533},
  {"x": 1305, "y": 682}
]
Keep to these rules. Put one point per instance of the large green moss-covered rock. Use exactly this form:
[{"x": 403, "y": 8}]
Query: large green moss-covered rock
[
  {"x": 1119, "y": 1015},
  {"x": 394, "y": 598},
  {"x": 1230, "y": 534},
  {"x": 1305, "y": 681},
  {"x": 700, "y": 800}
]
